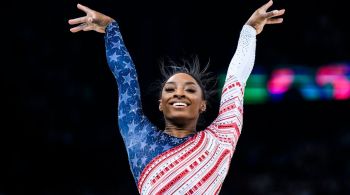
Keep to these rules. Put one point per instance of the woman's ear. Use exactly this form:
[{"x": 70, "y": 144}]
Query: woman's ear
[
  {"x": 160, "y": 105},
  {"x": 203, "y": 106}
]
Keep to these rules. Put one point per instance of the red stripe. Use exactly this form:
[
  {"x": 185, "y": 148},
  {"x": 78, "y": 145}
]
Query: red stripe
[
  {"x": 210, "y": 173},
  {"x": 174, "y": 171},
  {"x": 218, "y": 189},
  {"x": 212, "y": 183},
  {"x": 143, "y": 177},
  {"x": 172, "y": 165},
  {"x": 197, "y": 185},
  {"x": 176, "y": 162},
  {"x": 227, "y": 108},
  {"x": 173, "y": 181},
  {"x": 230, "y": 85}
]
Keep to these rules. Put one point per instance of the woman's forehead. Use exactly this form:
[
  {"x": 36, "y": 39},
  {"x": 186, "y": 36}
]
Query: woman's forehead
[{"x": 181, "y": 78}]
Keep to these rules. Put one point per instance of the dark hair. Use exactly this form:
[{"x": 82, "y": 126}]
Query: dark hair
[{"x": 191, "y": 67}]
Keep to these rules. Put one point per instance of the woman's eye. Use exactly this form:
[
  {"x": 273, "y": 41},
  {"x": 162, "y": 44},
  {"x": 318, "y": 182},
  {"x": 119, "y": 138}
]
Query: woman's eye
[
  {"x": 191, "y": 90},
  {"x": 169, "y": 89}
]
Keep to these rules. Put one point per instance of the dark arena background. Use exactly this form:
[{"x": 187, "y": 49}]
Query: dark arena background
[{"x": 59, "y": 131}]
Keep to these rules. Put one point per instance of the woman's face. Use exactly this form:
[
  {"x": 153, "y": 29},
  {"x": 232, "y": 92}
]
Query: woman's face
[{"x": 181, "y": 101}]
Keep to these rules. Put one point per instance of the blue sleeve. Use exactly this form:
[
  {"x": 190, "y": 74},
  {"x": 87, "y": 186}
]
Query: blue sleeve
[{"x": 131, "y": 119}]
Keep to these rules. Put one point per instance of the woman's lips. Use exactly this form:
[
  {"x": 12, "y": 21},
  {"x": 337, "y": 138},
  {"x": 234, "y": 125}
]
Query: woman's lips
[{"x": 179, "y": 105}]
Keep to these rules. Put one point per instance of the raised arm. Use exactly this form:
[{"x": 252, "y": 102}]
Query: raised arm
[
  {"x": 243, "y": 61},
  {"x": 131, "y": 118},
  {"x": 229, "y": 122}
]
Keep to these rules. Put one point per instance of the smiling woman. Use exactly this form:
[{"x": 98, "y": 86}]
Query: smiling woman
[
  {"x": 181, "y": 103},
  {"x": 179, "y": 159}
]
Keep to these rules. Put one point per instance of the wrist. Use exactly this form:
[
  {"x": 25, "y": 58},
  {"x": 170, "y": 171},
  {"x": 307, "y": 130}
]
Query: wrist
[
  {"x": 250, "y": 30},
  {"x": 106, "y": 23}
]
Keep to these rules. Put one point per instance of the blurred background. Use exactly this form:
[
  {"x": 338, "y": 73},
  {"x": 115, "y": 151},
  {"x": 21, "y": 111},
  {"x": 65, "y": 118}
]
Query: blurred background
[{"x": 59, "y": 131}]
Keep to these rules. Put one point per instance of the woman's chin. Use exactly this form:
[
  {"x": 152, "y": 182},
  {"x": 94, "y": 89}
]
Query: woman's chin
[{"x": 182, "y": 118}]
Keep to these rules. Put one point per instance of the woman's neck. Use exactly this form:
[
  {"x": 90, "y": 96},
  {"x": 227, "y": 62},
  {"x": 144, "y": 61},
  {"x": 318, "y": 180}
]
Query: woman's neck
[{"x": 179, "y": 132}]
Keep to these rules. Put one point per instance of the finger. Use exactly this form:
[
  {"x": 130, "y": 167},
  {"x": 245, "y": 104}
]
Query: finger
[
  {"x": 274, "y": 21},
  {"x": 274, "y": 13},
  {"x": 280, "y": 12},
  {"x": 267, "y": 5},
  {"x": 88, "y": 28},
  {"x": 77, "y": 20},
  {"x": 83, "y": 8},
  {"x": 75, "y": 29},
  {"x": 78, "y": 28}
]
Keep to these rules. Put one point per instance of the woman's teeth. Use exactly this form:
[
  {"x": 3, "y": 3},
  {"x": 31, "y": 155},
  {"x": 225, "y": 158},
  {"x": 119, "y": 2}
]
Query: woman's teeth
[{"x": 179, "y": 104}]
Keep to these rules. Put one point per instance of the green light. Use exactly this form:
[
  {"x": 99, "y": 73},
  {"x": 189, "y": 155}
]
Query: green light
[
  {"x": 256, "y": 91},
  {"x": 255, "y": 95}
]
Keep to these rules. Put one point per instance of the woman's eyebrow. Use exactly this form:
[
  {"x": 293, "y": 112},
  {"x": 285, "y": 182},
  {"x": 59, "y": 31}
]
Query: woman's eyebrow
[
  {"x": 190, "y": 83},
  {"x": 186, "y": 83},
  {"x": 170, "y": 83}
]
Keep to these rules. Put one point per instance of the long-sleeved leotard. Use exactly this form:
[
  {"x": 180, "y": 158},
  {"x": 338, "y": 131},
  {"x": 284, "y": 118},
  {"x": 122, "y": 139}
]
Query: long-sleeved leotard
[{"x": 163, "y": 164}]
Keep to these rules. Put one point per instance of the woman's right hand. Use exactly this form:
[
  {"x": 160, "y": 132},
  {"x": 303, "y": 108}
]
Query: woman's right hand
[{"x": 92, "y": 21}]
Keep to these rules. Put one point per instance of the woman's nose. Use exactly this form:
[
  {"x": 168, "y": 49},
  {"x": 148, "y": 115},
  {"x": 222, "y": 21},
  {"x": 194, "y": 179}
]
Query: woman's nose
[{"x": 179, "y": 93}]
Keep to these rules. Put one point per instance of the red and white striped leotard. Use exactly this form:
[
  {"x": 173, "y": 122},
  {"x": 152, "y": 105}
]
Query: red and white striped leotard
[{"x": 200, "y": 164}]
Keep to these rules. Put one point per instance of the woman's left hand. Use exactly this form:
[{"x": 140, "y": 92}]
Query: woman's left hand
[{"x": 261, "y": 17}]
